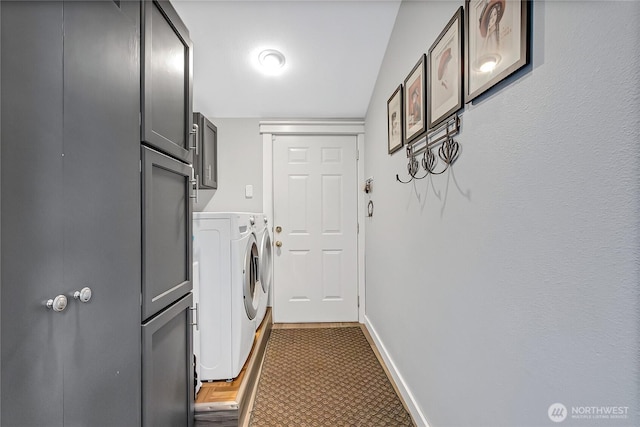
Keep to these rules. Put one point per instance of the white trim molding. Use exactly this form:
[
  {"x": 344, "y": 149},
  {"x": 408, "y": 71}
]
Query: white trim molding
[
  {"x": 412, "y": 405},
  {"x": 270, "y": 128},
  {"x": 312, "y": 127}
]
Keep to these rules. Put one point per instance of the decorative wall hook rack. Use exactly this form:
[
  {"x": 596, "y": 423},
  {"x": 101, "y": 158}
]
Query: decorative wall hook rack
[{"x": 447, "y": 152}]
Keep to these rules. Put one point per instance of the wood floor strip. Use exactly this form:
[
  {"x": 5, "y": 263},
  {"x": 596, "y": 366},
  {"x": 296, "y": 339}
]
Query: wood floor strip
[{"x": 227, "y": 403}]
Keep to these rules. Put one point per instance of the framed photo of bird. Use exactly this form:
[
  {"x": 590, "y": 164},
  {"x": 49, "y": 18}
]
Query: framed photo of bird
[
  {"x": 497, "y": 42},
  {"x": 444, "y": 89}
]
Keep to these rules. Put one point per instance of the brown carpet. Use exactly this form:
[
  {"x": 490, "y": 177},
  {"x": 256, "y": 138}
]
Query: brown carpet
[{"x": 324, "y": 377}]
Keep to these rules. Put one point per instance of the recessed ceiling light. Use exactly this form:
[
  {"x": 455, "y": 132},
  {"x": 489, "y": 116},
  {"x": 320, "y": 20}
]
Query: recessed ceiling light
[{"x": 271, "y": 60}]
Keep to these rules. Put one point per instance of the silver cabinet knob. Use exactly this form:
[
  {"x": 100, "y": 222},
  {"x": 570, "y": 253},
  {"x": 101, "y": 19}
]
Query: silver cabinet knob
[
  {"x": 59, "y": 303},
  {"x": 84, "y": 294}
]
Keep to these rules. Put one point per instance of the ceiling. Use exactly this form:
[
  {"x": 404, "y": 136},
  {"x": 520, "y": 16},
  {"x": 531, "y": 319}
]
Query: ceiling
[{"x": 333, "y": 53}]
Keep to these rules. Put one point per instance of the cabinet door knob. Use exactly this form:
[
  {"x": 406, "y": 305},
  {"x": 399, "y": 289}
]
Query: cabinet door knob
[
  {"x": 59, "y": 303},
  {"x": 84, "y": 294},
  {"x": 278, "y": 229},
  {"x": 278, "y": 243}
]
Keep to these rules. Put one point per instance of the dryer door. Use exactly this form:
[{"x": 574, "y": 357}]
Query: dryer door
[
  {"x": 250, "y": 278},
  {"x": 265, "y": 262}
]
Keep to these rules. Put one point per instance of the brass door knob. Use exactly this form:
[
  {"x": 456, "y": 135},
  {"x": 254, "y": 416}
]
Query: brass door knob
[
  {"x": 278, "y": 243},
  {"x": 278, "y": 229}
]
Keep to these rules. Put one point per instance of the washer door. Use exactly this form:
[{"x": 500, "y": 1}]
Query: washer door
[
  {"x": 250, "y": 278},
  {"x": 265, "y": 262}
]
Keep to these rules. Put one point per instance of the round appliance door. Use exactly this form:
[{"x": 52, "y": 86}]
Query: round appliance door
[
  {"x": 265, "y": 262},
  {"x": 251, "y": 278}
]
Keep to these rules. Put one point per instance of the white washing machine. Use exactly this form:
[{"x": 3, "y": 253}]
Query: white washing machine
[
  {"x": 225, "y": 247},
  {"x": 263, "y": 236}
]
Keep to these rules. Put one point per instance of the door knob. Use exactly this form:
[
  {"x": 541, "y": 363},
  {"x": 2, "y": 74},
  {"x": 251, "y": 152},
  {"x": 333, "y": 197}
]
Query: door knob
[
  {"x": 59, "y": 303},
  {"x": 278, "y": 229},
  {"x": 84, "y": 294},
  {"x": 278, "y": 243}
]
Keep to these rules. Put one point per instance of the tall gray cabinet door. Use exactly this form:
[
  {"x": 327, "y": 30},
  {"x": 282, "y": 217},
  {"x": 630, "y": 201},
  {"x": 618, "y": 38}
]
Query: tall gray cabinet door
[
  {"x": 32, "y": 222},
  {"x": 102, "y": 213},
  {"x": 166, "y": 231},
  {"x": 166, "y": 80}
]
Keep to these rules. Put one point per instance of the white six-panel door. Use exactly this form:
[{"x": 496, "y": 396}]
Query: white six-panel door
[{"x": 315, "y": 206}]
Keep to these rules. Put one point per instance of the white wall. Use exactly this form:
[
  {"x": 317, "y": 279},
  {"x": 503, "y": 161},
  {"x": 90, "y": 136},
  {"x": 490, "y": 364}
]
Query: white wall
[
  {"x": 512, "y": 281},
  {"x": 239, "y": 165}
]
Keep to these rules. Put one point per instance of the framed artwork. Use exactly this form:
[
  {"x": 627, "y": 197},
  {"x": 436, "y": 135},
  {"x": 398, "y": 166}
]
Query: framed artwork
[
  {"x": 415, "y": 123},
  {"x": 497, "y": 42},
  {"x": 394, "y": 120},
  {"x": 444, "y": 88}
]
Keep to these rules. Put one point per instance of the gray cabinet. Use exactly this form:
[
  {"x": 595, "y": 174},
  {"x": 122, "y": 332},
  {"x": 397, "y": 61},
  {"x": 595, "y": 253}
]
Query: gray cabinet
[
  {"x": 167, "y": 54},
  {"x": 70, "y": 213},
  {"x": 32, "y": 213},
  {"x": 205, "y": 160},
  {"x": 166, "y": 231},
  {"x": 167, "y": 352},
  {"x": 167, "y": 180}
]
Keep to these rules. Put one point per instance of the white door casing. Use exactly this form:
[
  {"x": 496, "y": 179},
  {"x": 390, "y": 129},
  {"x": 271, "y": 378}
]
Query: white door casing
[{"x": 315, "y": 199}]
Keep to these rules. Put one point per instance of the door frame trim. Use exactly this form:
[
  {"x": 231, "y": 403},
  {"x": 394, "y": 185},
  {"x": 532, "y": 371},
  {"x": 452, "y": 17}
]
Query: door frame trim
[{"x": 270, "y": 129}]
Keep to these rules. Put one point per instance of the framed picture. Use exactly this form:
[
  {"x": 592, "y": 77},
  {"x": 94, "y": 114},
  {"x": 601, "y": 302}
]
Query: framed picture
[
  {"x": 415, "y": 123},
  {"x": 497, "y": 42},
  {"x": 394, "y": 120},
  {"x": 444, "y": 88}
]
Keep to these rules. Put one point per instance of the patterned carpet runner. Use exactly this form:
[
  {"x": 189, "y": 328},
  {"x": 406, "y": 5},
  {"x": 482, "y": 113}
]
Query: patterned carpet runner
[{"x": 324, "y": 377}]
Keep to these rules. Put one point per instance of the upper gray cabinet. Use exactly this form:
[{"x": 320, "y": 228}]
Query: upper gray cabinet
[
  {"x": 167, "y": 74},
  {"x": 206, "y": 155}
]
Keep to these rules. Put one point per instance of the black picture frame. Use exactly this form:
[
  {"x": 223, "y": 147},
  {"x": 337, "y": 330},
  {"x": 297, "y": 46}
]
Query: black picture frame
[
  {"x": 445, "y": 93},
  {"x": 496, "y": 32},
  {"x": 415, "y": 119},
  {"x": 395, "y": 124}
]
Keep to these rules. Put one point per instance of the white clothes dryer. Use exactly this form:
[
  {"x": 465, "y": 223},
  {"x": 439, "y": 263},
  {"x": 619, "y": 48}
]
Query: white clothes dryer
[
  {"x": 263, "y": 236},
  {"x": 226, "y": 250}
]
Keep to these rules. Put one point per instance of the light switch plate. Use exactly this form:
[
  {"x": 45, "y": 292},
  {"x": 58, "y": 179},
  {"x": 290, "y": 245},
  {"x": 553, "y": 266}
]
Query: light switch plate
[{"x": 248, "y": 191}]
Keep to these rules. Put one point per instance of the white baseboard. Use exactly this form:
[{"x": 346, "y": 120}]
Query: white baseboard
[{"x": 415, "y": 411}]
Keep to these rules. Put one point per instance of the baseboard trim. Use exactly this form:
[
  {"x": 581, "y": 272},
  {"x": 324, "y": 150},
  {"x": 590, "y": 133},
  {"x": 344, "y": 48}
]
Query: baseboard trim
[{"x": 410, "y": 401}]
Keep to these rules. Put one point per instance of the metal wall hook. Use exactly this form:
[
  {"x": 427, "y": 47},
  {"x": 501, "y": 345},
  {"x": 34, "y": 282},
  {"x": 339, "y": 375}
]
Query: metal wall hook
[
  {"x": 413, "y": 166},
  {"x": 401, "y": 181},
  {"x": 448, "y": 149},
  {"x": 428, "y": 161}
]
